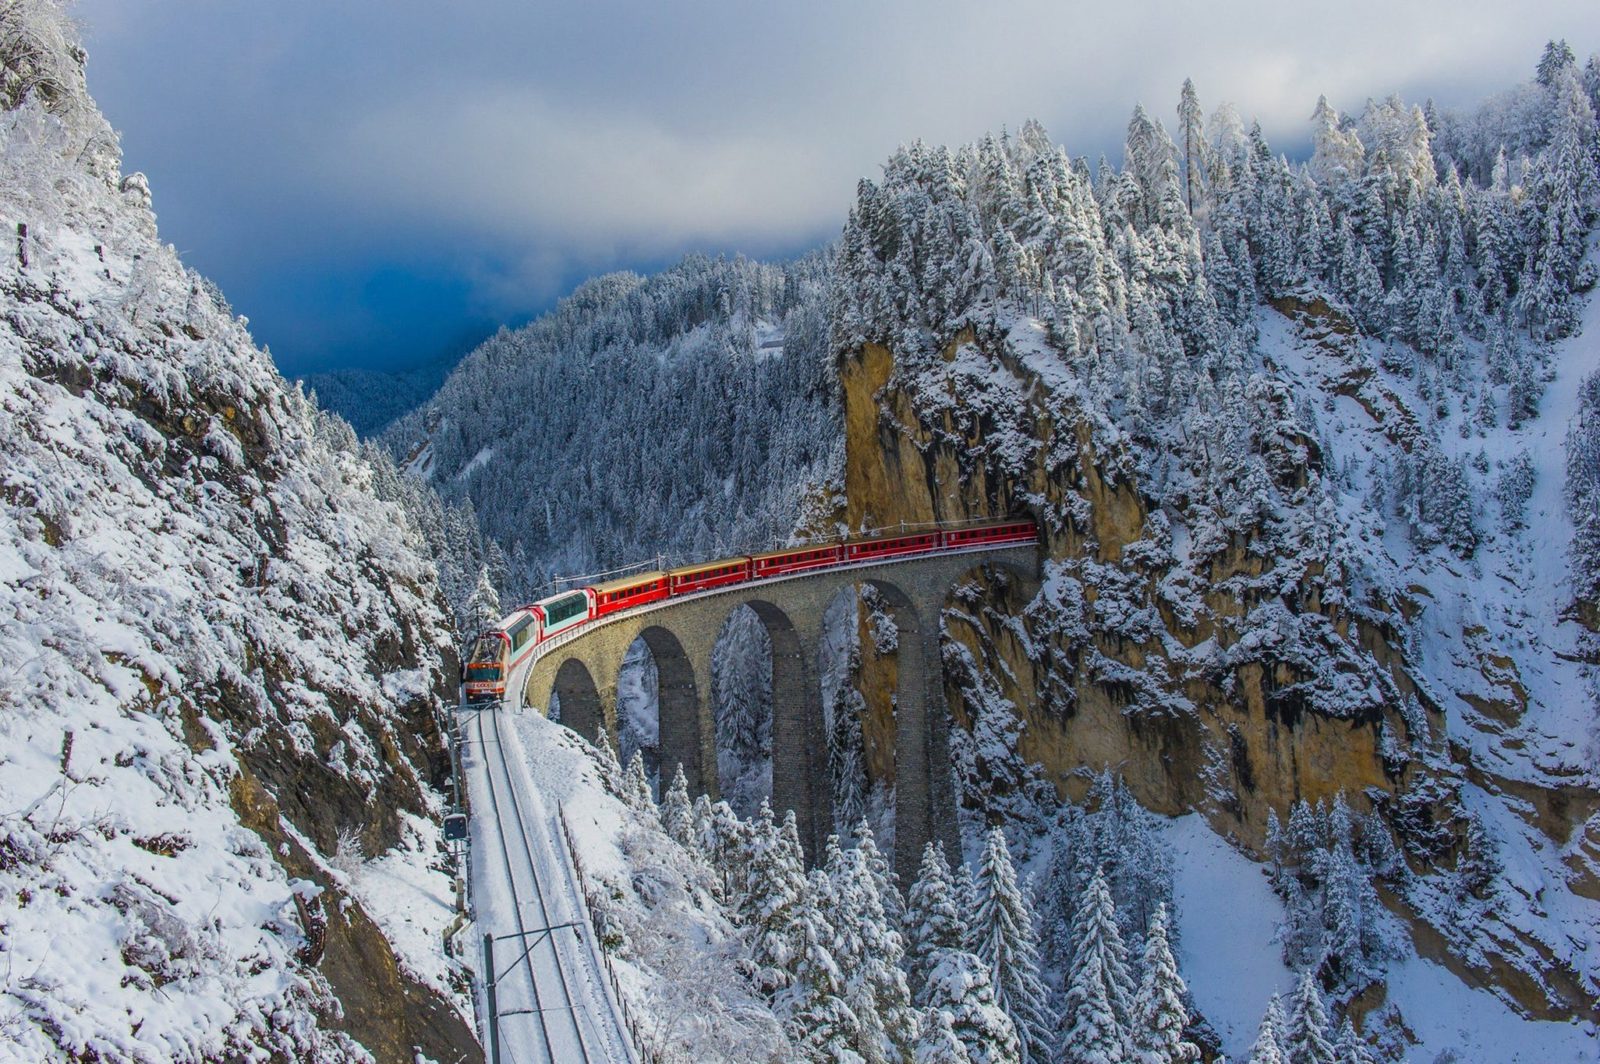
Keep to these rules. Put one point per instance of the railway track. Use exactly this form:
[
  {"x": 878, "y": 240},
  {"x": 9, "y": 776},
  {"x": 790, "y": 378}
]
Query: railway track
[{"x": 535, "y": 1013}]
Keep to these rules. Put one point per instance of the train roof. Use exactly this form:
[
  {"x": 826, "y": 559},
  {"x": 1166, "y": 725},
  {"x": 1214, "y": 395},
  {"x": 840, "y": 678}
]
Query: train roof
[
  {"x": 555, "y": 598},
  {"x": 995, "y": 523},
  {"x": 512, "y": 618},
  {"x": 892, "y": 533},
  {"x": 690, "y": 570},
  {"x": 627, "y": 581},
  {"x": 799, "y": 548}
]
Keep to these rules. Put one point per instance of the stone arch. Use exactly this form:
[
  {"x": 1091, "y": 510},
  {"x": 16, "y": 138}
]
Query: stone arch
[
  {"x": 1016, "y": 584},
  {"x": 881, "y": 690},
  {"x": 799, "y": 746},
  {"x": 740, "y": 766},
  {"x": 923, "y": 797},
  {"x": 580, "y": 700},
  {"x": 683, "y": 736}
]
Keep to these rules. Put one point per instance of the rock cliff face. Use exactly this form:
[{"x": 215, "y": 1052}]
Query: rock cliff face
[
  {"x": 1249, "y": 748},
  {"x": 1134, "y": 656}
]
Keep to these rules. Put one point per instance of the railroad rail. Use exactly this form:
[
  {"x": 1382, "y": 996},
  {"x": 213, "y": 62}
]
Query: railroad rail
[{"x": 537, "y": 973}]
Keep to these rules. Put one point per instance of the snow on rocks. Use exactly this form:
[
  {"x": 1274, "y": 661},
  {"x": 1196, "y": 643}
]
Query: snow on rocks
[{"x": 213, "y": 636}]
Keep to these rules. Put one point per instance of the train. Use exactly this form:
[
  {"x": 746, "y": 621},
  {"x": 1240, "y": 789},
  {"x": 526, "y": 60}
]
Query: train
[{"x": 498, "y": 652}]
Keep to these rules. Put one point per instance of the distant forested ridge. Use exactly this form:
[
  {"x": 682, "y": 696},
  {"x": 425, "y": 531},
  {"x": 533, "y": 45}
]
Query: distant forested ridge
[
  {"x": 370, "y": 399},
  {"x": 682, "y": 415}
]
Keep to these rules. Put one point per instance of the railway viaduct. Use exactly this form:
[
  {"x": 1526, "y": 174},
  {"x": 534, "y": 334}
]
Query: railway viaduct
[{"x": 582, "y": 668}]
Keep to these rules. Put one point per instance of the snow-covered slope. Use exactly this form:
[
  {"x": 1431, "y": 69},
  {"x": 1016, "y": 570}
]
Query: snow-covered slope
[
  {"x": 680, "y": 964},
  {"x": 222, "y": 654}
]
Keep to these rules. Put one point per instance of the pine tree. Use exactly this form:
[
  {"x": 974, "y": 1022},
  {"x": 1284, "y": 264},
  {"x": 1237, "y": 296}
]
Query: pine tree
[
  {"x": 959, "y": 986},
  {"x": 636, "y": 786},
  {"x": 1479, "y": 866},
  {"x": 937, "y": 1043},
  {"x": 1006, "y": 941},
  {"x": 483, "y": 607},
  {"x": 883, "y": 877},
  {"x": 1159, "y": 1016},
  {"x": 1097, "y": 931},
  {"x": 776, "y": 908},
  {"x": 677, "y": 815},
  {"x": 1305, "y": 1037},
  {"x": 1351, "y": 1048},
  {"x": 610, "y": 767},
  {"x": 1098, "y": 1007},
  {"x": 1094, "y": 1035},
  {"x": 934, "y": 920},
  {"x": 1269, "y": 1038},
  {"x": 818, "y": 1018},
  {"x": 1191, "y": 135},
  {"x": 869, "y": 952},
  {"x": 846, "y": 754},
  {"x": 965, "y": 894},
  {"x": 1276, "y": 844},
  {"x": 1556, "y": 59}
]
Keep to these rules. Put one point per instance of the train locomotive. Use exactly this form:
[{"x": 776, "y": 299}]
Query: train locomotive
[{"x": 498, "y": 652}]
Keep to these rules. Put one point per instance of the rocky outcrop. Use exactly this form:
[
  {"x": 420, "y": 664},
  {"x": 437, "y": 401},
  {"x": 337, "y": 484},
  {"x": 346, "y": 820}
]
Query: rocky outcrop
[{"x": 1233, "y": 680}]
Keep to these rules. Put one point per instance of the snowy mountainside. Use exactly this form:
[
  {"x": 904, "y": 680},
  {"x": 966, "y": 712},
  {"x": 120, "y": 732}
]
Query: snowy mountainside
[
  {"x": 1297, "y": 436},
  {"x": 687, "y": 414},
  {"x": 224, "y": 654}
]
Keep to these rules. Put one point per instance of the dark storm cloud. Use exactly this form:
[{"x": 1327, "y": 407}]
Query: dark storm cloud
[{"x": 517, "y": 146}]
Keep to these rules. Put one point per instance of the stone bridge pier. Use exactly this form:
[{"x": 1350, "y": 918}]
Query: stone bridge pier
[{"x": 682, "y": 634}]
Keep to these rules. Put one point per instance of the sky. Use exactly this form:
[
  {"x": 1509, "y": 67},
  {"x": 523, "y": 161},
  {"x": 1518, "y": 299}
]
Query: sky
[{"x": 381, "y": 184}]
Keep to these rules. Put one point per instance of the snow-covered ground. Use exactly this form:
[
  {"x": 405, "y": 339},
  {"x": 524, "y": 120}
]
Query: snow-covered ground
[
  {"x": 1453, "y": 1021},
  {"x": 414, "y": 904},
  {"x": 1227, "y": 921},
  {"x": 553, "y": 1003}
]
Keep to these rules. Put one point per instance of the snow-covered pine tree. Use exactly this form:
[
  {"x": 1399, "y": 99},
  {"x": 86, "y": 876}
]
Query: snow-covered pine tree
[
  {"x": 637, "y": 791},
  {"x": 1159, "y": 1015},
  {"x": 813, "y": 1003},
  {"x": 777, "y": 910},
  {"x": 937, "y": 1042},
  {"x": 959, "y": 986},
  {"x": 483, "y": 608},
  {"x": 1098, "y": 1009},
  {"x": 933, "y": 920},
  {"x": 1351, "y": 1048},
  {"x": 869, "y": 952},
  {"x": 1004, "y": 936},
  {"x": 610, "y": 767},
  {"x": 1097, "y": 931},
  {"x": 965, "y": 894},
  {"x": 677, "y": 814},
  {"x": 883, "y": 877},
  {"x": 1268, "y": 1048},
  {"x": 1479, "y": 869},
  {"x": 1094, "y": 1034},
  {"x": 1191, "y": 138},
  {"x": 1305, "y": 1035}
]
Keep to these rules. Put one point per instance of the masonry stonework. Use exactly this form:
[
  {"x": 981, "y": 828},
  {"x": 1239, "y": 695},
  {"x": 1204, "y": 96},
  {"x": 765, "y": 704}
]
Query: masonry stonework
[{"x": 682, "y": 633}]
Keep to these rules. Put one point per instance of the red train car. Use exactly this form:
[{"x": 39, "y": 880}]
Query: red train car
[
  {"x": 630, "y": 591},
  {"x": 869, "y": 547},
  {"x": 688, "y": 579},
  {"x": 995, "y": 532},
  {"x": 794, "y": 559}
]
